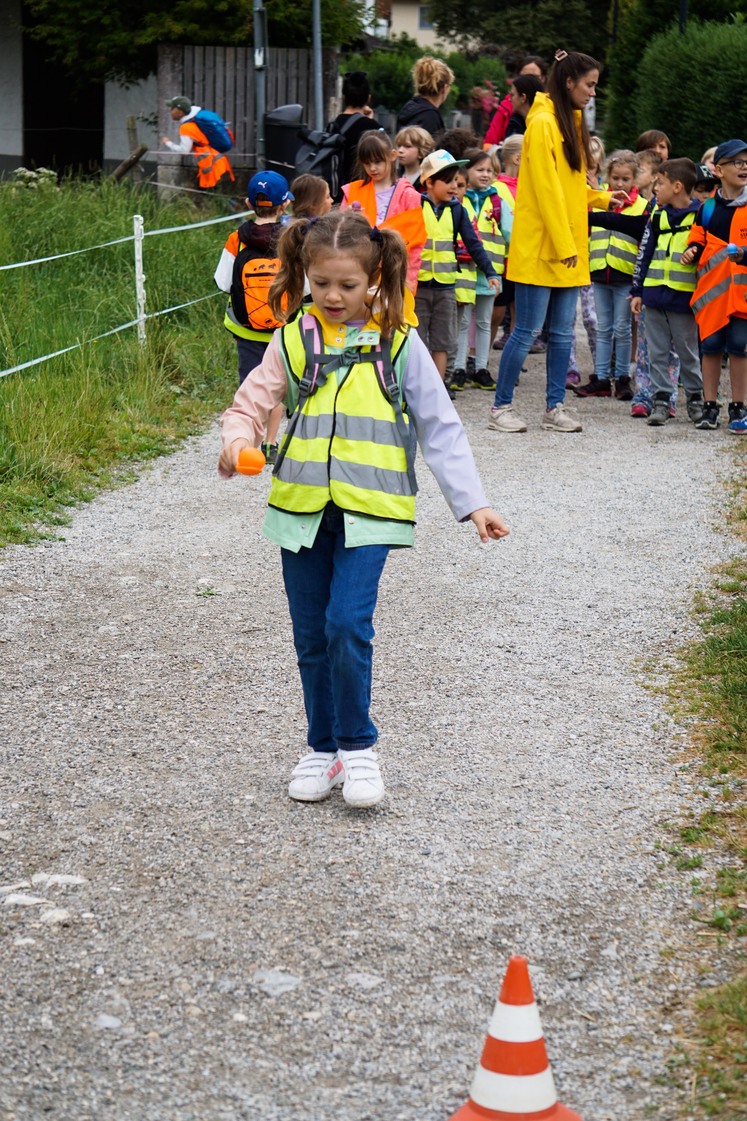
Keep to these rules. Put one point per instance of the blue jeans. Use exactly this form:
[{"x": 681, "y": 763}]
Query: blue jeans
[
  {"x": 332, "y": 596},
  {"x": 614, "y": 322},
  {"x": 534, "y": 304}
]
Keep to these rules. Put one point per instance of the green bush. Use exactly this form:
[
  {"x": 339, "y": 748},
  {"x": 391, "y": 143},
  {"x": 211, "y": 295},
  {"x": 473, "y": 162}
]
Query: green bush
[{"x": 690, "y": 85}]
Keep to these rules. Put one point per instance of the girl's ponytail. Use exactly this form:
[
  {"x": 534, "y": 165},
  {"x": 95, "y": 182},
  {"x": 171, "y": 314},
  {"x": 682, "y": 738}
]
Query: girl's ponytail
[
  {"x": 389, "y": 302},
  {"x": 286, "y": 291}
]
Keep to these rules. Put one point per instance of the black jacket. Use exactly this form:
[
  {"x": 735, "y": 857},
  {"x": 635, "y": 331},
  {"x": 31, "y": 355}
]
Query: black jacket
[{"x": 421, "y": 112}]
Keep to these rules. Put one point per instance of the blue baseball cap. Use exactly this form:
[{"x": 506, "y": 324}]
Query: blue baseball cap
[
  {"x": 728, "y": 150},
  {"x": 272, "y": 187}
]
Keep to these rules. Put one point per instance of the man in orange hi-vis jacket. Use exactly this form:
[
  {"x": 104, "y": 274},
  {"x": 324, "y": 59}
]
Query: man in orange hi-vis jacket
[{"x": 211, "y": 164}]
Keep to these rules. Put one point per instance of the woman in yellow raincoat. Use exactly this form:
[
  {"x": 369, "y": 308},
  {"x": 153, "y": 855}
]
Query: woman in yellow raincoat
[{"x": 549, "y": 258}]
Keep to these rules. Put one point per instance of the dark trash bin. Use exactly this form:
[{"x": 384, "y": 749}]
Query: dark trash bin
[{"x": 282, "y": 140}]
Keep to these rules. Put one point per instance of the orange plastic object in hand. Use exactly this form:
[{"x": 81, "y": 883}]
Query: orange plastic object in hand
[{"x": 250, "y": 461}]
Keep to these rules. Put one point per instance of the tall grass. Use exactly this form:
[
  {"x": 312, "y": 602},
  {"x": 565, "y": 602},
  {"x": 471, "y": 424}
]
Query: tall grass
[{"x": 72, "y": 423}]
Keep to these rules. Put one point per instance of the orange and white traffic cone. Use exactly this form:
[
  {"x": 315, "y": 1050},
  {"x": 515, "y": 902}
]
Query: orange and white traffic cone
[{"x": 513, "y": 1081}]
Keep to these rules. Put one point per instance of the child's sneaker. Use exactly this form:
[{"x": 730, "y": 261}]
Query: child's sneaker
[
  {"x": 695, "y": 408},
  {"x": 738, "y": 426},
  {"x": 737, "y": 411},
  {"x": 483, "y": 380},
  {"x": 501, "y": 339},
  {"x": 459, "y": 378},
  {"x": 640, "y": 410},
  {"x": 659, "y": 413},
  {"x": 709, "y": 419},
  {"x": 595, "y": 387},
  {"x": 315, "y": 776},
  {"x": 363, "y": 784},
  {"x": 572, "y": 379},
  {"x": 623, "y": 389}
]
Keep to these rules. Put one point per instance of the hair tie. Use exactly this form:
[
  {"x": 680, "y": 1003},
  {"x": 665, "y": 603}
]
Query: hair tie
[
  {"x": 309, "y": 223},
  {"x": 560, "y": 55},
  {"x": 356, "y": 206},
  {"x": 376, "y": 235}
]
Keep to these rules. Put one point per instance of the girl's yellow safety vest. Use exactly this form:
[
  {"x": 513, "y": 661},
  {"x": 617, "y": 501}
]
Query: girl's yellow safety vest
[
  {"x": 611, "y": 248},
  {"x": 349, "y": 439}
]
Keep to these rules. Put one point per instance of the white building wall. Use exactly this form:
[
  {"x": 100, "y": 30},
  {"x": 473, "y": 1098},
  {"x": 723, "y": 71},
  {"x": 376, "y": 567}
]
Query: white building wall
[
  {"x": 11, "y": 85},
  {"x": 138, "y": 101},
  {"x": 406, "y": 17}
]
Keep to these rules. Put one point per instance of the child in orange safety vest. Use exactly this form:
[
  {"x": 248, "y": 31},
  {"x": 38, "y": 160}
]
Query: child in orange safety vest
[
  {"x": 387, "y": 201},
  {"x": 716, "y": 243},
  {"x": 212, "y": 165}
]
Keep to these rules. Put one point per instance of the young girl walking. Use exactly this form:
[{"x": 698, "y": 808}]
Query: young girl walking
[
  {"x": 360, "y": 388},
  {"x": 387, "y": 201}
]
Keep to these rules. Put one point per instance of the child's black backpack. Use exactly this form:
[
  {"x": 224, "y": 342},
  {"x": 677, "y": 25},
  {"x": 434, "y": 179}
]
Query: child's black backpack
[{"x": 321, "y": 152}]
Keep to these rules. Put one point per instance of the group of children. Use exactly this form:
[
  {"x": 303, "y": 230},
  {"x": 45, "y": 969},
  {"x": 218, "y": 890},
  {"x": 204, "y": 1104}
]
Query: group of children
[
  {"x": 660, "y": 265},
  {"x": 323, "y": 306}
]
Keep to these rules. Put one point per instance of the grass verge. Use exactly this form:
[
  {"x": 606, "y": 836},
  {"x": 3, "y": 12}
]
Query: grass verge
[
  {"x": 713, "y": 685},
  {"x": 74, "y": 423}
]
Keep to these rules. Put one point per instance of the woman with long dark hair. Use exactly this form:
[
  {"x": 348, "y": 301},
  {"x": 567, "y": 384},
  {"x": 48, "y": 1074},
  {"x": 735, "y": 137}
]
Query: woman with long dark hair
[{"x": 549, "y": 259}]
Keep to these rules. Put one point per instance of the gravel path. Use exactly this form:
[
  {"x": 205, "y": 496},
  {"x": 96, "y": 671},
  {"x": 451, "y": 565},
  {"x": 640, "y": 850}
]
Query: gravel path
[{"x": 232, "y": 955}]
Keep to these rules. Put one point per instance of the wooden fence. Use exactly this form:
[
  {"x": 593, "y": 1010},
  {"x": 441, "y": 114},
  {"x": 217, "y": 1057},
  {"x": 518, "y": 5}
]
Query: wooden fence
[{"x": 222, "y": 78}]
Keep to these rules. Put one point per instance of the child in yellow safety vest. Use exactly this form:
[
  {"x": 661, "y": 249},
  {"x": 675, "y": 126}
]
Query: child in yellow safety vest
[
  {"x": 486, "y": 205},
  {"x": 246, "y": 269},
  {"x": 663, "y": 283},
  {"x": 446, "y": 221},
  {"x": 359, "y": 387},
  {"x": 612, "y": 256}
]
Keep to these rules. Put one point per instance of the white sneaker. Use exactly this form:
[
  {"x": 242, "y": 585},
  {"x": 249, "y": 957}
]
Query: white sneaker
[
  {"x": 560, "y": 419},
  {"x": 315, "y": 776},
  {"x": 504, "y": 419},
  {"x": 363, "y": 784}
]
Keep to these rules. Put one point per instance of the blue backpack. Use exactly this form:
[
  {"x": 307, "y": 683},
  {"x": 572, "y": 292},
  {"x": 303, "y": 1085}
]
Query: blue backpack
[{"x": 217, "y": 132}]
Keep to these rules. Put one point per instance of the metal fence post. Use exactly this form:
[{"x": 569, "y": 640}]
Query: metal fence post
[{"x": 137, "y": 229}]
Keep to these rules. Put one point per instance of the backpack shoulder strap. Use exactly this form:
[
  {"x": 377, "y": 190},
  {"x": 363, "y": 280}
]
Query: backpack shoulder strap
[{"x": 389, "y": 365}]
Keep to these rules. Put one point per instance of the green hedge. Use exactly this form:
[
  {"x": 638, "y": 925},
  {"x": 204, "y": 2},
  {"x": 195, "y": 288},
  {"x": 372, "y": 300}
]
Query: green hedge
[{"x": 692, "y": 86}]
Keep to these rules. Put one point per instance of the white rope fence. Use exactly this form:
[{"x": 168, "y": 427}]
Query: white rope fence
[{"x": 141, "y": 317}]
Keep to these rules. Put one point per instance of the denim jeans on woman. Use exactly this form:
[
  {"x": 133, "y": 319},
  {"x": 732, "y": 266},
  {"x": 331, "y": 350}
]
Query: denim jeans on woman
[
  {"x": 535, "y": 304},
  {"x": 332, "y": 595}
]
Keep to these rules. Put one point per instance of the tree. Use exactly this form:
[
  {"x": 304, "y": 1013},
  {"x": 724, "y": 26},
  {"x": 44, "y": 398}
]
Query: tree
[
  {"x": 97, "y": 40},
  {"x": 534, "y": 27}
]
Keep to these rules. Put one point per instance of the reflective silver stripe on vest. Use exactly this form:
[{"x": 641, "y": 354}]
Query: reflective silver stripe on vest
[
  {"x": 314, "y": 427},
  {"x": 713, "y": 293},
  {"x": 367, "y": 428},
  {"x": 680, "y": 276},
  {"x": 370, "y": 478},
  {"x": 617, "y": 253},
  {"x": 441, "y": 266},
  {"x": 438, "y": 246},
  {"x": 465, "y": 282},
  {"x": 309, "y": 473},
  {"x": 717, "y": 259}
]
